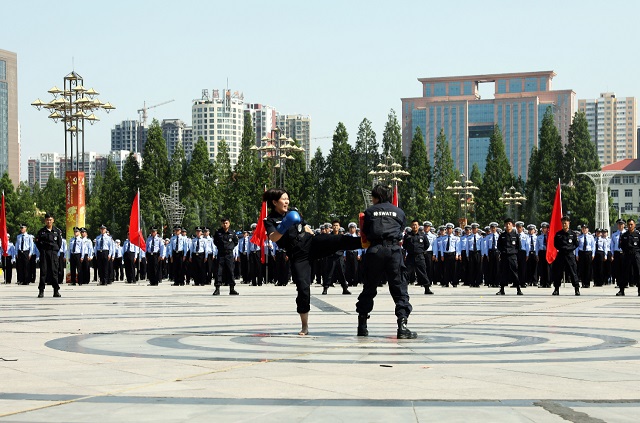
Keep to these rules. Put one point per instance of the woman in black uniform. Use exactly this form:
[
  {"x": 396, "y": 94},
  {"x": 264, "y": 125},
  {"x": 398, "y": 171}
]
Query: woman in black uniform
[{"x": 288, "y": 230}]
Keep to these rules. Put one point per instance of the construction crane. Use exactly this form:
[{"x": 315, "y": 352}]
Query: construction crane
[{"x": 143, "y": 112}]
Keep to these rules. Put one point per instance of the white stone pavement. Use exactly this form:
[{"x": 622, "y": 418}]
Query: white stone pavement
[{"x": 136, "y": 353}]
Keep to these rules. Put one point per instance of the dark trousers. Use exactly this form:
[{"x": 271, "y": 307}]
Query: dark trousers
[
  {"x": 531, "y": 271},
  {"x": 176, "y": 264},
  {"x": 351, "y": 268},
  {"x": 380, "y": 261},
  {"x": 225, "y": 269},
  {"x": 103, "y": 266},
  {"x": 32, "y": 269},
  {"x": 475, "y": 268},
  {"x": 8, "y": 269},
  {"x": 130, "y": 266},
  {"x": 153, "y": 268},
  {"x": 417, "y": 269},
  {"x": 428, "y": 256},
  {"x": 522, "y": 267},
  {"x": 49, "y": 268},
  {"x": 493, "y": 260},
  {"x": 598, "y": 268},
  {"x": 74, "y": 264},
  {"x": 449, "y": 264},
  {"x": 244, "y": 267},
  {"x": 584, "y": 267},
  {"x": 198, "y": 269},
  {"x": 617, "y": 269},
  {"x": 142, "y": 268},
  {"x": 62, "y": 265},
  {"x": 22, "y": 266},
  {"x": 565, "y": 262},
  {"x": 255, "y": 268},
  {"x": 282, "y": 268},
  {"x": 118, "y": 269},
  {"x": 84, "y": 274},
  {"x": 509, "y": 270},
  {"x": 544, "y": 269},
  {"x": 632, "y": 268},
  {"x": 461, "y": 268},
  {"x": 334, "y": 271}
]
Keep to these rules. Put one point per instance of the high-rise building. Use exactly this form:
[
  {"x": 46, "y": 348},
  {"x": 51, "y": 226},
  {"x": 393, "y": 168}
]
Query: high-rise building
[
  {"x": 454, "y": 105},
  {"x": 297, "y": 127},
  {"x": 41, "y": 168},
  {"x": 219, "y": 117},
  {"x": 173, "y": 134},
  {"x": 129, "y": 136},
  {"x": 263, "y": 118},
  {"x": 612, "y": 126},
  {"x": 9, "y": 131}
]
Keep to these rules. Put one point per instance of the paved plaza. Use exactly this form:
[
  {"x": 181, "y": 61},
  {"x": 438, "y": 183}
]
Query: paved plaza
[{"x": 136, "y": 353}]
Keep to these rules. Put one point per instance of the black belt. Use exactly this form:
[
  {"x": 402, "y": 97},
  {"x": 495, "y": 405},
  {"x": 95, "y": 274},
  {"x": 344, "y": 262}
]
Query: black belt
[
  {"x": 385, "y": 242},
  {"x": 449, "y": 254},
  {"x": 75, "y": 254}
]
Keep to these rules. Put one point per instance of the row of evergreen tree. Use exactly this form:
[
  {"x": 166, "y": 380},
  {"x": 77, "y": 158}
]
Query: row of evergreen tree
[{"x": 330, "y": 188}]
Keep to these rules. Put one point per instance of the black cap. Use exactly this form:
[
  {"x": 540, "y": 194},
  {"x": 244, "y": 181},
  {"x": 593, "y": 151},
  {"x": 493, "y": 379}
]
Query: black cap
[
  {"x": 83, "y": 229},
  {"x": 153, "y": 228},
  {"x": 198, "y": 228},
  {"x": 565, "y": 218},
  {"x": 76, "y": 229},
  {"x": 620, "y": 221},
  {"x": 205, "y": 229},
  {"x": 103, "y": 227},
  {"x": 176, "y": 227}
]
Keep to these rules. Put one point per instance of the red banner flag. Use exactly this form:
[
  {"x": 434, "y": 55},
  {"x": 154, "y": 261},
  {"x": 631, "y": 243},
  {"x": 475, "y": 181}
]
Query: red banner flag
[
  {"x": 3, "y": 229},
  {"x": 555, "y": 225},
  {"x": 135, "y": 234},
  {"x": 395, "y": 195},
  {"x": 259, "y": 236}
]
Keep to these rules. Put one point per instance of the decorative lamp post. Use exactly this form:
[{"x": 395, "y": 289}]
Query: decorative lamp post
[
  {"x": 463, "y": 190},
  {"x": 73, "y": 105},
  {"x": 388, "y": 173},
  {"x": 278, "y": 149},
  {"x": 512, "y": 199}
]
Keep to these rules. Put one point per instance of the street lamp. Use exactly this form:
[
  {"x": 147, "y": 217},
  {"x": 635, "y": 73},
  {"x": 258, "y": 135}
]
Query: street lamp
[
  {"x": 463, "y": 190},
  {"x": 512, "y": 199},
  {"x": 388, "y": 173},
  {"x": 73, "y": 105},
  {"x": 278, "y": 149}
]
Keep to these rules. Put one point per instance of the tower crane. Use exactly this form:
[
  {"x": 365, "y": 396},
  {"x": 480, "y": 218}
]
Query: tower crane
[{"x": 143, "y": 112}]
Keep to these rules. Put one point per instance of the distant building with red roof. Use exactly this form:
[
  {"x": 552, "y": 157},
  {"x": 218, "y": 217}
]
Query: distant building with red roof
[{"x": 625, "y": 187}]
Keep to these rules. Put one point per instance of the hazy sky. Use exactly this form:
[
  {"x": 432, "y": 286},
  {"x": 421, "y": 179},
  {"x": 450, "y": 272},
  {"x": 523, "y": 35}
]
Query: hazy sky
[{"x": 337, "y": 61}]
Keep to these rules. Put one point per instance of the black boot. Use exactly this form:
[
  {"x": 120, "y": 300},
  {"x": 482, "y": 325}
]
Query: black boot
[
  {"x": 556, "y": 292},
  {"x": 233, "y": 291},
  {"x": 577, "y": 291},
  {"x": 501, "y": 292},
  {"x": 428, "y": 291},
  {"x": 324, "y": 290},
  {"x": 217, "y": 291},
  {"x": 403, "y": 331},
  {"x": 345, "y": 291},
  {"x": 362, "y": 325},
  {"x": 620, "y": 293},
  {"x": 519, "y": 291},
  {"x": 41, "y": 293},
  {"x": 56, "y": 293}
]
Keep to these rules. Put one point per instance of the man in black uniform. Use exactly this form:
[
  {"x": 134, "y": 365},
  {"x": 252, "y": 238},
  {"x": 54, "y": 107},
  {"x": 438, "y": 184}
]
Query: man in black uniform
[
  {"x": 565, "y": 241},
  {"x": 383, "y": 225},
  {"x": 415, "y": 244},
  {"x": 508, "y": 246},
  {"x": 49, "y": 241},
  {"x": 334, "y": 266},
  {"x": 630, "y": 244},
  {"x": 225, "y": 240}
]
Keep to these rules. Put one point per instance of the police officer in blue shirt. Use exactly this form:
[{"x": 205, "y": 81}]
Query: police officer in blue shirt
[
  {"x": 154, "y": 245},
  {"x": 584, "y": 255},
  {"x": 24, "y": 250},
  {"x": 176, "y": 255},
  {"x": 104, "y": 253}
]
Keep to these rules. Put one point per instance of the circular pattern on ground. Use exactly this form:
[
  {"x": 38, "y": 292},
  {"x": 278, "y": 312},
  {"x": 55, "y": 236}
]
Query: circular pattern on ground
[{"x": 466, "y": 344}]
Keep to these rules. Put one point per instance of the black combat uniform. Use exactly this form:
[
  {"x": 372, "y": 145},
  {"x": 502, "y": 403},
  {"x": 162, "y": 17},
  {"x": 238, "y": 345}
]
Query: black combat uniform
[
  {"x": 226, "y": 242},
  {"x": 565, "y": 242},
  {"x": 630, "y": 244},
  {"x": 49, "y": 243},
  {"x": 508, "y": 246},
  {"x": 415, "y": 244}
]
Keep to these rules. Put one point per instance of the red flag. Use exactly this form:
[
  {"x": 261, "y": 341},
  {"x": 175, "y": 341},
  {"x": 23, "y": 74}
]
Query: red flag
[
  {"x": 135, "y": 234},
  {"x": 259, "y": 236},
  {"x": 395, "y": 195},
  {"x": 555, "y": 225},
  {"x": 3, "y": 229}
]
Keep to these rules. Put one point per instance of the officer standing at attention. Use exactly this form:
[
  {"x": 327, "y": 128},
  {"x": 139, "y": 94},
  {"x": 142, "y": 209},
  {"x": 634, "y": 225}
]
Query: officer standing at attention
[
  {"x": 544, "y": 275},
  {"x": 104, "y": 252},
  {"x": 523, "y": 253},
  {"x": 198, "y": 257},
  {"x": 565, "y": 241},
  {"x": 584, "y": 255},
  {"x": 211, "y": 252},
  {"x": 176, "y": 256},
  {"x": 617, "y": 255},
  {"x": 154, "y": 249},
  {"x": 474, "y": 256},
  {"x": 62, "y": 259},
  {"x": 383, "y": 225},
  {"x": 245, "y": 260},
  {"x": 86, "y": 256},
  {"x": 429, "y": 251},
  {"x": 9, "y": 260},
  {"x": 415, "y": 244},
  {"x": 630, "y": 244},
  {"x": 530, "y": 275},
  {"x": 600, "y": 252},
  {"x": 130, "y": 253},
  {"x": 24, "y": 251},
  {"x": 450, "y": 255},
  {"x": 352, "y": 258},
  {"x": 49, "y": 241},
  {"x": 509, "y": 245},
  {"x": 226, "y": 240},
  {"x": 75, "y": 253}
]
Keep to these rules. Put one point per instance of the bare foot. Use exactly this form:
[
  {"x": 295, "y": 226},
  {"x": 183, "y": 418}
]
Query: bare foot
[{"x": 304, "y": 331}]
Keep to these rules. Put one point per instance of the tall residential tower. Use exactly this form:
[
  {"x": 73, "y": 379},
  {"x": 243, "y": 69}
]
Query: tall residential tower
[{"x": 9, "y": 131}]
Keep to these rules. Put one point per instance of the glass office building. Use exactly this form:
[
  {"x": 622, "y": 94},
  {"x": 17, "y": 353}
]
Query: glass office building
[{"x": 454, "y": 105}]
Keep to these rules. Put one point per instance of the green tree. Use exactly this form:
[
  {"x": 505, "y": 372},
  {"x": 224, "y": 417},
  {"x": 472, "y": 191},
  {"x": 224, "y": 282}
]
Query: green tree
[
  {"x": 130, "y": 178},
  {"x": 295, "y": 176},
  {"x": 476, "y": 175},
  {"x": 197, "y": 193},
  {"x": 110, "y": 208},
  {"x": 496, "y": 179},
  {"x": 392, "y": 138},
  {"x": 415, "y": 196},
  {"x": 545, "y": 169},
  {"x": 154, "y": 176},
  {"x": 52, "y": 199},
  {"x": 444, "y": 173},
  {"x": 341, "y": 193},
  {"x": 315, "y": 197},
  {"x": 177, "y": 166},
  {"x": 222, "y": 177},
  {"x": 246, "y": 184},
  {"x": 580, "y": 156},
  {"x": 366, "y": 155},
  {"x": 12, "y": 205}
]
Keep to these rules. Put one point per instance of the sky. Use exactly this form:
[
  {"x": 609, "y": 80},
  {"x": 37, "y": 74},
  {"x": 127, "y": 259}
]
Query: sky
[{"x": 336, "y": 61}]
